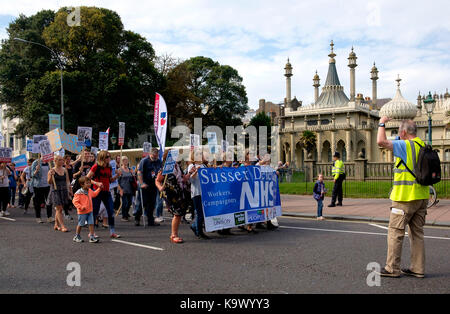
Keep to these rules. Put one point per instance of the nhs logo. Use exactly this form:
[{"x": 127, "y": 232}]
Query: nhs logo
[{"x": 254, "y": 216}]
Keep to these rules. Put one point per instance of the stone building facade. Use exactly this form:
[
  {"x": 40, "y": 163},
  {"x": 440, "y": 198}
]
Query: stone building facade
[{"x": 345, "y": 124}]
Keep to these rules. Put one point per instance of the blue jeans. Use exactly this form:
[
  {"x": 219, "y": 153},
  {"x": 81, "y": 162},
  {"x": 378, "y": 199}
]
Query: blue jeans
[
  {"x": 159, "y": 205},
  {"x": 126, "y": 204},
  {"x": 199, "y": 218},
  {"x": 319, "y": 207},
  {"x": 106, "y": 198}
]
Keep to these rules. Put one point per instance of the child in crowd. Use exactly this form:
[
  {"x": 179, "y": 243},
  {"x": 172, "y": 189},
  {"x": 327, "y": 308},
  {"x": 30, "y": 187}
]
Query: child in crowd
[
  {"x": 319, "y": 195},
  {"x": 82, "y": 200}
]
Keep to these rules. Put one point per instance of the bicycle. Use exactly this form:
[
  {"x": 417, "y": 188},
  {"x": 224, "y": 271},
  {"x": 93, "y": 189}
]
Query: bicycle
[{"x": 432, "y": 200}]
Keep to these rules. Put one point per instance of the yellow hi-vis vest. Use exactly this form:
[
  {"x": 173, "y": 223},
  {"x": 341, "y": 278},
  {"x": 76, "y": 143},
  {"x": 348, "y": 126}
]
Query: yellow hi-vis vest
[
  {"x": 406, "y": 189},
  {"x": 338, "y": 169}
]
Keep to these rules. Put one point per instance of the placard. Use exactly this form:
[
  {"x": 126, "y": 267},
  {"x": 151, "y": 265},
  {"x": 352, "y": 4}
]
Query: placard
[
  {"x": 46, "y": 151},
  {"x": 238, "y": 196},
  {"x": 84, "y": 135},
  {"x": 5, "y": 154},
  {"x": 36, "y": 139},
  {"x": 171, "y": 160},
  {"x": 195, "y": 141},
  {"x": 20, "y": 162},
  {"x": 103, "y": 141},
  {"x": 30, "y": 146},
  {"x": 121, "y": 133},
  {"x": 94, "y": 151},
  {"x": 146, "y": 148},
  {"x": 60, "y": 139},
  {"x": 54, "y": 121}
]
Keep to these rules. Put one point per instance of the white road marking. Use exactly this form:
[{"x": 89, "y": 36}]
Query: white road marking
[
  {"x": 10, "y": 219},
  {"x": 382, "y": 227},
  {"x": 355, "y": 232},
  {"x": 139, "y": 245}
]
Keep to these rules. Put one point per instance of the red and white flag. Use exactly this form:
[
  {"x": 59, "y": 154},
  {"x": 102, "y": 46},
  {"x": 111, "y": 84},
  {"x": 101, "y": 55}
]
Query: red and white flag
[{"x": 160, "y": 123}]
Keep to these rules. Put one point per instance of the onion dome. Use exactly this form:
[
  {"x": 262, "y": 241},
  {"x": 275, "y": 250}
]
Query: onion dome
[{"x": 399, "y": 108}]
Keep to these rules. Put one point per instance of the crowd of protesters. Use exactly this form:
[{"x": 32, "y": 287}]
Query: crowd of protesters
[{"x": 97, "y": 189}]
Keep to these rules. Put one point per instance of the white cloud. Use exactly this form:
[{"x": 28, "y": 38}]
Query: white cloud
[{"x": 410, "y": 38}]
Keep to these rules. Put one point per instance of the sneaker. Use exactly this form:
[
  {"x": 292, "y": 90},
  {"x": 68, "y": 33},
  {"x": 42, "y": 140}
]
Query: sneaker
[
  {"x": 159, "y": 219},
  {"x": 95, "y": 236},
  {"x": 385, "y": 273},
  {"x": 2, "y": 213},
  {"x": 93, "y": 239},
  {"x": 332, "y": 205},
  {"x": 7, "y": 213},
  {"x": 39, "y": 221},
  {"x": 50, "y": 219},
  {"x": 114, "y": 236},
  {"x": 68, "y": 217},
  {"x": 408, "y": 272},
  {"x": 77, "y": 238}
]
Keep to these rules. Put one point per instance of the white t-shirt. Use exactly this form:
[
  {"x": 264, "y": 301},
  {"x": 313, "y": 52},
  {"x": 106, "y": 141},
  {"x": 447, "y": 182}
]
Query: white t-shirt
[{"x": 196, "y": 189}]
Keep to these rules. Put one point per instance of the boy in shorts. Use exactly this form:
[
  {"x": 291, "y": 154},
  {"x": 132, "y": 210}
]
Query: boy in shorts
[{"x": 82, "y": 200}]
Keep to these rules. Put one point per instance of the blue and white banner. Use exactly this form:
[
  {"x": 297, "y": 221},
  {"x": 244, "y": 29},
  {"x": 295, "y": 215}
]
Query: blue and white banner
[
  {"x": 20, "y": 162},
  {"x": 171, "y": 160},
  {"x": 238, "y": 196}
]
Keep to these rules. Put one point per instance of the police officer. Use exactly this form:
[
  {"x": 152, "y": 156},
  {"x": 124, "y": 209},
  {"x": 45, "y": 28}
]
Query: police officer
[
  {"x": 338, "y": 173},
  {"x": 409, "y": 201}
]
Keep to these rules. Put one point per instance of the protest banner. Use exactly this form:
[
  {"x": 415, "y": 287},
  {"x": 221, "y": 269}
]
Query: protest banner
[
  {"x": 171, "y": 160},
  {"x": 46, "y": 151},
  {"x": 20, "y": 162},
  {"x": 103, "y": 140},
  {"x": 5, "y": 154},
  {"x": 36, "y": 140},
  {"x": 59, "y": 139},
  {"x": 30, "y": 146},
  {"x": 146, "y": 148},
  {"x": 94, "y": 151},
  {"x": 160, "y": 118},
  {"x": 195, "y": 141},
  {"x": 238, "y": 196},
  {"x": 84, "y": 135},
  {"x": 121, "y": 133},
  {"x": 54, "y": 121}
]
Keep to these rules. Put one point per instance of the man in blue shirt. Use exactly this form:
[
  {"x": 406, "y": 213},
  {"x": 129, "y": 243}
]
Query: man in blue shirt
[{"x": 148, "y": 170}]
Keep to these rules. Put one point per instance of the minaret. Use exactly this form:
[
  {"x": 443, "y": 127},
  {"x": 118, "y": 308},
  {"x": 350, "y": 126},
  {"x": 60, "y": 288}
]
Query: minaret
[
  {"x": 288, "y": 75},
  {"x": 374, "y": 78},
  {"x": 419, "y": 105},
  {"x": 352, "y": 65},
  {"x": 316, "y": 81}
]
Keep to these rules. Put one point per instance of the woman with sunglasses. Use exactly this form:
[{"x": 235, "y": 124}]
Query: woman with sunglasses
[{"x": 101, "y": 175}]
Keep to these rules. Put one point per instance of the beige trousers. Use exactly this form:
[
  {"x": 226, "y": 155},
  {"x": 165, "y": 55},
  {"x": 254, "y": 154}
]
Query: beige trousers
[{"x": 414, "y": 216}]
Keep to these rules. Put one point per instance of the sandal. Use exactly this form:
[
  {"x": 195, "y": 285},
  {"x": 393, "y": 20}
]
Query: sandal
[
  {"x": 56, "y": 228},
  {"x": 176, "y": 239},
  {"x": 64, "y": 229}
]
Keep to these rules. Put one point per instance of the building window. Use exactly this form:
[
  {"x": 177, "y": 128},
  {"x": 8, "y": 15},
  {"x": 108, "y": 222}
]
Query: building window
[
  {"x": 312, "y": 122},
  {"x": 394, "y": 133},
  {"x": 447, "y": 155},
  {"x": 325, "y": 122}
]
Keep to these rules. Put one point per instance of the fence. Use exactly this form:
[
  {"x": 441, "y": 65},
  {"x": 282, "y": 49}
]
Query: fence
[{"x": 363, "y": 179}]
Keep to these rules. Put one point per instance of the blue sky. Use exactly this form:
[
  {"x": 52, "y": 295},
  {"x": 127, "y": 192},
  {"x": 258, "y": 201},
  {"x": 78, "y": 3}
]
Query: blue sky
[{"x": 410, "y": 38}]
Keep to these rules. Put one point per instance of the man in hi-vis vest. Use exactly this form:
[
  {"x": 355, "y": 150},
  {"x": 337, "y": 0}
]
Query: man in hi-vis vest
[
  {"x": 409, "y": 201},
  {"x": 338, "y": 173}
]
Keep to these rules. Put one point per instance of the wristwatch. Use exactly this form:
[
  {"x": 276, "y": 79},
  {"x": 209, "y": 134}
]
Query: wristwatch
[{"x": 381, "y": 125}]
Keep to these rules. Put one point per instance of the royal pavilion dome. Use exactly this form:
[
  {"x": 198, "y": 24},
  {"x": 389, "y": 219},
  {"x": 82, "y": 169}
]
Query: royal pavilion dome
[{"x": 399, "y": 108}]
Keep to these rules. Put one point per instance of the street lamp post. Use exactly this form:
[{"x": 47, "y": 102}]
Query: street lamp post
[
  {"x": 114, "y": 141},
  {"x": 429, "y": 106},
  {"x": 61, "y": 74}
]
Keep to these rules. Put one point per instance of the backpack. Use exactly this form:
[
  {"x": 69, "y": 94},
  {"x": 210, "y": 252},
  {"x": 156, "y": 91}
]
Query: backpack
[{"x": 427, "y": 169}]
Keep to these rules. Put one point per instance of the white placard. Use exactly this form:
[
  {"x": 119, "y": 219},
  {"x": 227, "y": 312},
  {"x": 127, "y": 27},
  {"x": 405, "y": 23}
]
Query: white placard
[
  {"x": 84, "y": 135},
  {"x": 121, "y": 133}
]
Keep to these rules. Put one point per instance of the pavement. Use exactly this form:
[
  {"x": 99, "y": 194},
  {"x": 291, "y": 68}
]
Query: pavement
[{"x": 371, "y": 210}]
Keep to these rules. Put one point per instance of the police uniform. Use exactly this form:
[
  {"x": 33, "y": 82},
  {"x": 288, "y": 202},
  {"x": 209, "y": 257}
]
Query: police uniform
[{"x": 338, "y": 173}]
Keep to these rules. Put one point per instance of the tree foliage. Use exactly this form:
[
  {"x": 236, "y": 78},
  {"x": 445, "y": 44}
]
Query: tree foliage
[
  {"x": 308, "y": 140},
  {"x": 109, "y": 73},
  {"x": 202, "y": 88}
]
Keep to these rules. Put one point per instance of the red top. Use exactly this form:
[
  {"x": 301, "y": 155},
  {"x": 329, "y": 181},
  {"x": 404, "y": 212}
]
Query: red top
[{"x": 103, "y": 175}]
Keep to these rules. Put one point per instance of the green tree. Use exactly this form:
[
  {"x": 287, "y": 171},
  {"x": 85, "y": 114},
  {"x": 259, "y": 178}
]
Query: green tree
[
  {"x": 261, "y": 119},
  {"x": 109, "y": 73},
  {"x": 202, "y": 88},
  {"x": 308, "y": 141}
]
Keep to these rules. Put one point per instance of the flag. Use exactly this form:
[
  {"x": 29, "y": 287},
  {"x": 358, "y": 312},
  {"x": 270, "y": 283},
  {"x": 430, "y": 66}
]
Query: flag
[
  {"x": 107, "y": 131},
  {"x": 160, "y": 123}
]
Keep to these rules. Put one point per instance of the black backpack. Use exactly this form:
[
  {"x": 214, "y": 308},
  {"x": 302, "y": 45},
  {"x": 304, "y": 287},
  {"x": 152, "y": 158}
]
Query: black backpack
[{"x": 427, "y": 169}]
